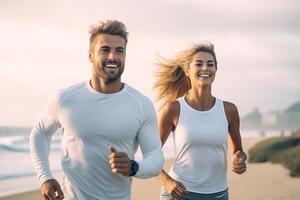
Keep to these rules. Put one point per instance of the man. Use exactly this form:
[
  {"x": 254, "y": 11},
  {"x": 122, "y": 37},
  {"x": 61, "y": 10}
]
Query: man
[{"x": 103, "y": 121}]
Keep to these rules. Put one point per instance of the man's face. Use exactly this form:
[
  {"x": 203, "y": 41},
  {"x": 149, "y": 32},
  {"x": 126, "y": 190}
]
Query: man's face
[{"x": 108, "y": 57}]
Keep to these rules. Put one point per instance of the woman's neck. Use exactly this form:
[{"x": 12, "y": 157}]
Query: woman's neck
[{"x": 200, "y": 98}]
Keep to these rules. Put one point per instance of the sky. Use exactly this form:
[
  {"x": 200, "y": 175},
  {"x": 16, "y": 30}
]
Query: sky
[{"x": 44, "y": 47}]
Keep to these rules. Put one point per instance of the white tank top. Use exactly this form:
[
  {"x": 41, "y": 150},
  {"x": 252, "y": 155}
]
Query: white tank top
[{"x": 200, "y": 141}]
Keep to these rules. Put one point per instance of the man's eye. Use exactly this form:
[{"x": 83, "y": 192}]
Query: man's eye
[{"x": 104, "y": 50}]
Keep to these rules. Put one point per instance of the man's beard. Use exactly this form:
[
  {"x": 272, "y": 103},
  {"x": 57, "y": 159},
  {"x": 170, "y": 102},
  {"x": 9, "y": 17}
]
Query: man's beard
[{"x": 112, "y": 78}]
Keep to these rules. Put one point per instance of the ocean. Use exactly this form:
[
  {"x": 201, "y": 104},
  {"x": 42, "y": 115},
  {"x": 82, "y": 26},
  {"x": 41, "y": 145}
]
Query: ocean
[
  {"x": 16, "y": 166},
  {"x": 16, "y": 170},
  {"x": 15, "y": 153}
]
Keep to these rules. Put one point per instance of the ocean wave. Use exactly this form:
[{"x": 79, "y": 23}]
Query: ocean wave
[
  {"x": 22, "y": 149},
  {"x": 16, "y": 175},
  {"x": 21, "y": 144},
  {"x": 14, "y": 149},
  {"x": 22, "y": 174}
]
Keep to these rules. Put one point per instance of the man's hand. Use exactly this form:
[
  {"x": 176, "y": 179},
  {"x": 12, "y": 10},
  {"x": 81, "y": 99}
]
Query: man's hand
[
  {"x": 175, "y": 188},
  {"x": 239, "y": 162},
  {"x": 51, "y": 190},
  {"x": 119, "y": 162}
]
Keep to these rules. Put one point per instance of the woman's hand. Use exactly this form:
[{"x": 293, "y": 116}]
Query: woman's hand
[
  {"x": 239, "y": 162},
  {"x": 175, "y": 188}
]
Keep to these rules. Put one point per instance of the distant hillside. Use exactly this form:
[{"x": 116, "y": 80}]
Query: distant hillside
[
  {"x": 294, "y": 107},
  {"x": 252, "y": 120},
  {"x": 255, "y": 115}
]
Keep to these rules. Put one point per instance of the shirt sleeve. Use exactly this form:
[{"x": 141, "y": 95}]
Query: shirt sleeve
[
  {"x": 40, "y": 138},
  {"x": 150, "y": 144}
]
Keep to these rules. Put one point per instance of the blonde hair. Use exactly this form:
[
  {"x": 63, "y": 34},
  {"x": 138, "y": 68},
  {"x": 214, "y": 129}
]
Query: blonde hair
[
  {"x": 171, "y": 80},
  {"x": 112, "y": 27}
]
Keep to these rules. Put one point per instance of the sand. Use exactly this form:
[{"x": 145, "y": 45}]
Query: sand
[{"x": 261, "y": 182}]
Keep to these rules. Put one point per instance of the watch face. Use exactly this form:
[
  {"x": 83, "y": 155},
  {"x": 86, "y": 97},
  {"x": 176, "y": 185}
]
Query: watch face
[{"x": 134, "y": 167}]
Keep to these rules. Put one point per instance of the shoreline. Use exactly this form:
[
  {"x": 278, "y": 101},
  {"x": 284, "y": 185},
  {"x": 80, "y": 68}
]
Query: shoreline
[
  {"x": 21, "y": 185},
  {"x": 264, "y": 181}
]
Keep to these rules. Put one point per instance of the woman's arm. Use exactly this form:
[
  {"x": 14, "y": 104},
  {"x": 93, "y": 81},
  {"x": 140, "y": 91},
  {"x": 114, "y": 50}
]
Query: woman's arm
[
  {"x": 167, "y": 121},
  {"x": 239, "y": 157}
]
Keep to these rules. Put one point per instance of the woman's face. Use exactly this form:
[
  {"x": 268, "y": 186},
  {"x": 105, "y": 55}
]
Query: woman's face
[{"x": 202, "y": 69}]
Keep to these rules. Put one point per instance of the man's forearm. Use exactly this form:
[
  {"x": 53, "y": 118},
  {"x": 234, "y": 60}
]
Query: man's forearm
[
  {"x": 39, "y": 149},
  {"x": 151, "y": 165}
]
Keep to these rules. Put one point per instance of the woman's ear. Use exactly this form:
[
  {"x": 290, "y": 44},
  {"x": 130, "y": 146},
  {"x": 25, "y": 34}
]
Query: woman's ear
[{"x": 187, "y": 73}]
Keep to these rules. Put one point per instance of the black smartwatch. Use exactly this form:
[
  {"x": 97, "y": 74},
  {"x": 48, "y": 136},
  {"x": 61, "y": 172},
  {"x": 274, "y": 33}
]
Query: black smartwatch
[{"x": 134, "y": 168}]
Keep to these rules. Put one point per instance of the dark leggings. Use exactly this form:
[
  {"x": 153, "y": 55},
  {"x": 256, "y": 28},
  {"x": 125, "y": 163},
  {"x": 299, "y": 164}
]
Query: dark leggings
[{"x": 223, "y": 195}]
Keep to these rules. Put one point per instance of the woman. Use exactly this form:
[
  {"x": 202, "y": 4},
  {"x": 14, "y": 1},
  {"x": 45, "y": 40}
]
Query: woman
[{"x": 200, "y": 123}]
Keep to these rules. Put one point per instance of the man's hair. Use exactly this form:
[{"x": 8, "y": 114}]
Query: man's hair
[{"x": 111, "y": 27}]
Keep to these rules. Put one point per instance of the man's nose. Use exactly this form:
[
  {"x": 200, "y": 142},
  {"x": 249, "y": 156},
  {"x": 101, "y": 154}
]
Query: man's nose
[{"x": 111, "y": 56}]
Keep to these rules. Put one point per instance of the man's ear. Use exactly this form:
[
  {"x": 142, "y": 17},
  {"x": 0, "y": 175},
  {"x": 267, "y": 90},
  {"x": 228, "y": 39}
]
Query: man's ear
[{"x": 91, "y": 56}]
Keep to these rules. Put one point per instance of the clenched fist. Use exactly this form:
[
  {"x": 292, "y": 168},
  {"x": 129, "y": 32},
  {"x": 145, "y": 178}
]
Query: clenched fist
[
  {"x": 239, "y": 162},
  {"x": 119, "y": 162}
]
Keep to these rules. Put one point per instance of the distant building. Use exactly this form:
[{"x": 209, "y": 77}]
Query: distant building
[
  {"x": 270, "y": 119},
  {"x": 289, "y": 119}
]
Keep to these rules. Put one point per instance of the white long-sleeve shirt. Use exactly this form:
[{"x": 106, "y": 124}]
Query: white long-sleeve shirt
[{"x": 91, "y": 122}]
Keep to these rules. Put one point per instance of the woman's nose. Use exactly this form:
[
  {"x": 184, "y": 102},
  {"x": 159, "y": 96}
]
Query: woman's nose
[{"x": 204, "y": 66}]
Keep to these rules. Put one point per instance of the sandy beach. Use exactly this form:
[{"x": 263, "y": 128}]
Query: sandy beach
[{"x": 261, "y": 182}]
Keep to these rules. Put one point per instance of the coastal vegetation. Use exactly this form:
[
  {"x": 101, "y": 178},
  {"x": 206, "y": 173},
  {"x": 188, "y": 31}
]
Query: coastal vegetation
[{"x": 284, "y": 150}]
